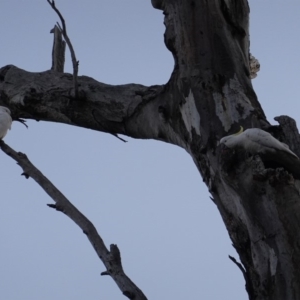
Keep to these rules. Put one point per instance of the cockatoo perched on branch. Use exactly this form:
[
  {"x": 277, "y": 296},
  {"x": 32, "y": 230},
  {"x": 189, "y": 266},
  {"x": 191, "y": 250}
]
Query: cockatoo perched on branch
[
  {"x": 5, "y": 121},
  {"x": 256, "y": 141}
]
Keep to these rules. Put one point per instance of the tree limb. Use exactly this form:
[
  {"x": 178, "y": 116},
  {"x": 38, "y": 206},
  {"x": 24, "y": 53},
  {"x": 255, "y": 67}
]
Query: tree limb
[
  {"x": 111, "y": 259},
  {"x": 131, "y": 109}
]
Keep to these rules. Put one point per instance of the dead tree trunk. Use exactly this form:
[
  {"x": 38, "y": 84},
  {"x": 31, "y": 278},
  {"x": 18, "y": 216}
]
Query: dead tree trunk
[{"x": 209, "y": 95}]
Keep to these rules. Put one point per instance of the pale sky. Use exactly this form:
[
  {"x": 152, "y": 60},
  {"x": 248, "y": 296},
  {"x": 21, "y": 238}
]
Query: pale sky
[{"x": 145, "y": 196}]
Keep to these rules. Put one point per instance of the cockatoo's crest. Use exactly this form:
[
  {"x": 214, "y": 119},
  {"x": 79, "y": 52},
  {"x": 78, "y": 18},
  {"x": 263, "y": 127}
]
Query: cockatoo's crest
[{"x": 240, "y": 131}]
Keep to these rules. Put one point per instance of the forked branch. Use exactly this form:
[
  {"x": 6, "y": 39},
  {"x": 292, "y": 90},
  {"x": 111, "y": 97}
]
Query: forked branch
[
  {"x": 111, "y": 259},
  {"x": 63, "y": 30}
]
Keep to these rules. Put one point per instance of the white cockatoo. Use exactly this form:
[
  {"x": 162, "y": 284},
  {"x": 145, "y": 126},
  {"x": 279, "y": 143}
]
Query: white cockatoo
[
  {"x": 256, "y": 141},
  {"x": 5, "y": 121}
]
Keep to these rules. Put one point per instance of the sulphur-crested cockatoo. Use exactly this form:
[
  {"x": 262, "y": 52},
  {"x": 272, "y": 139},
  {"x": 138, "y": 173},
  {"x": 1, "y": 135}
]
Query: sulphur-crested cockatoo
[
  {"x": 5, "y": 121},
  {"x": 257, "y": 141}
]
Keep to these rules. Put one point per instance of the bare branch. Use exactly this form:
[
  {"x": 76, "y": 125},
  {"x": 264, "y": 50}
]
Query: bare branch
[
  {"x": 63, "y": 30},
  {"x": 130, "y": 109},
  {"x": 58, "y": 50},
  {"x": 111, "y": 259}
]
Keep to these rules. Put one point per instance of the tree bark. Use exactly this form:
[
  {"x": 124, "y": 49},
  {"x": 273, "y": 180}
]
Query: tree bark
[{"x": 209, "y": 95}]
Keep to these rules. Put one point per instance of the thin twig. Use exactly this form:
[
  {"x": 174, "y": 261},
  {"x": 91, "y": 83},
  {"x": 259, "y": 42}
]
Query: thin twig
[
  {"x": 111, "y": 259},
  {"x": 114, "y": 134},
  {"x": 105, "y": 129},
  {"x": 239, "y": 265},
  {"x": 249, "y": 287},
  {"x": 63, "y": 30},
  {"x": 22, "y": 121}
]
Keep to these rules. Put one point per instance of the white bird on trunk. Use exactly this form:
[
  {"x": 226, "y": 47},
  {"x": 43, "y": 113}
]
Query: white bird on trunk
[
  {"x": 256, "y": 141},
  {"x": 5, "y": 121}
]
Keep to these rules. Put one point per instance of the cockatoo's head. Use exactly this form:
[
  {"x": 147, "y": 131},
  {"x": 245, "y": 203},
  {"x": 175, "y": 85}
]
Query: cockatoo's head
[
  {"x": 229, "y": 139},
  {"x": 5, "y": 109},
  {"x": 225, "y": 139}
]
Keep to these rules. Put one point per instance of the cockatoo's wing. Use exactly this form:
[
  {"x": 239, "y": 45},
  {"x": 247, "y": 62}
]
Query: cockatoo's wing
[
  {"x": 264, "y": 141},
  {"x": 285, "y": 145}
]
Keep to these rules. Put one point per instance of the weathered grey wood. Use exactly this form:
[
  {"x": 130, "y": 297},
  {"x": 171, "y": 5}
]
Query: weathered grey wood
[
  {"x": 209, "y": 95},
  {"x": 58, "y": 51},
  {"x": 290, "y": 132},
  {"x": 48, "y": 96}
]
